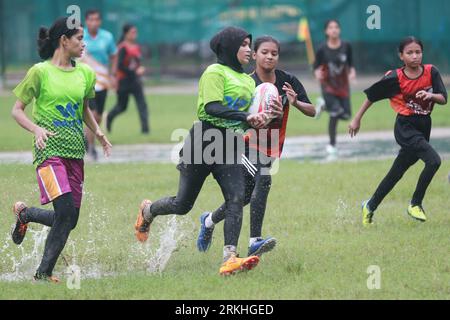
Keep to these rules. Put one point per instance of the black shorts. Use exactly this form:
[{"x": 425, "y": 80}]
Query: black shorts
[
  {"x": 98, "y": 103},
  {"x": 256, "y": 163},
  {"x": 337, "y": 107},
  {"x": 410, "y": 131}
]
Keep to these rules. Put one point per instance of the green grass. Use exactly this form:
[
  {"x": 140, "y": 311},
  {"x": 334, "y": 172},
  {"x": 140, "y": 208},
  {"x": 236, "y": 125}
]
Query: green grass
[
  {"x": 323, "y": 251},
  {"x": 168, "y": 113}
]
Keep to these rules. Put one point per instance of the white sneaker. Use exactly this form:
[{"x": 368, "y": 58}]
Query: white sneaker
[
  {"x": 320, "y": 106},
  {"x": 331, "y": 150}
]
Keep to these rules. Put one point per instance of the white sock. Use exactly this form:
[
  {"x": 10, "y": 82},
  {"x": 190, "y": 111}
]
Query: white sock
[
  {"x": 253, "y": 240},
  {"x": 147, "y": 214},
  {"x": 228, "y": 251},
  {"x": 208, "y": 221}
]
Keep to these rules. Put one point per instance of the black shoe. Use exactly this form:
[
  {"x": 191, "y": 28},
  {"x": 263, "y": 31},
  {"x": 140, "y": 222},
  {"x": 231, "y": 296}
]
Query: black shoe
[
  {"x": 42, "y": 277},
  {"x": 20, "y": 227}
]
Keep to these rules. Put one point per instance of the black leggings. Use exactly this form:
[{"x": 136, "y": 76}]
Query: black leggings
[
  {"x": 339, "y": 109},
  {"x": 62, "y": 221},
  {"x": 256, "y": 193},
  {"x": 134, "y": 88},
  {"x": 231, "y": 181},
  {"x": 413, "y": 134},
  {"x": 332, "y": 130}
]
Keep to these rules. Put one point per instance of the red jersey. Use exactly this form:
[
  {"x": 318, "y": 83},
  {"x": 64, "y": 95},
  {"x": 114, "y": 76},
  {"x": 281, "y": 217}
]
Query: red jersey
[
  {"x": 129, "y": 60},
  {"x": 266, "y": 140},
  {"x": 402, "y": 91},
  {"x": 336, "y": 64}
]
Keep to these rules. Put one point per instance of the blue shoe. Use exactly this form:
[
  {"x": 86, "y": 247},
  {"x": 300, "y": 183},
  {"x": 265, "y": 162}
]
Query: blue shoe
[
  {"x": 205, "y": 236},
  {"x": 262, "y": 246}
]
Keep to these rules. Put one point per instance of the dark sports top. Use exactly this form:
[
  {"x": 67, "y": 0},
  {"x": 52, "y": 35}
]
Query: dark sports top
[
  {"x": 129, "y": 60},
  {"x": 336, "y": 64},
  {"x": 264, "y": 142},
  {"x": 401, "y": 90}
]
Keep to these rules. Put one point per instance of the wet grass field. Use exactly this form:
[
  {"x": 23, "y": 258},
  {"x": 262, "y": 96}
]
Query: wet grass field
[{"x": 323, "y": 251}]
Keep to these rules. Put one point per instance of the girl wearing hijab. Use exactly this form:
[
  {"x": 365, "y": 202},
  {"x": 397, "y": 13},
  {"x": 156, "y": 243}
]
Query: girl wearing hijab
[{"x": 225, "y": 94}]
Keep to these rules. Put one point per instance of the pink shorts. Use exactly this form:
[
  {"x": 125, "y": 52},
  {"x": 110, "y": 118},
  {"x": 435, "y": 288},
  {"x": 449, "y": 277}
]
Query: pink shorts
[{"x": 57, "y": 176}]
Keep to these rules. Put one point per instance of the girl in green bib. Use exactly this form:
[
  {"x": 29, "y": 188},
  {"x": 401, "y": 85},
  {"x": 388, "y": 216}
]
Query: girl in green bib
[
  {"x": 60, "y": 88},
  {"x": 225, "y": 94}
]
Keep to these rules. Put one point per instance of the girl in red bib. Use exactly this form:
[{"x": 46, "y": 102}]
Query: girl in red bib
[{"x": 413, "y": 90}]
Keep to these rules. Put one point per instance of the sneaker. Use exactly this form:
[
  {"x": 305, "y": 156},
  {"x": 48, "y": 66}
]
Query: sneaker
[
  {"x": 142, "y": 226},
  {"x": 367, "y": 214},
  {"x": 320, "y": 106},
  {"x": 262, "y": 246},
  {"x": 205, "y": 236},
  {"x": 20, "y": 228},
  {"x": 417, "y": 213},
  {"x": 235, "y": 264},
  {"x": 42, "y": 277},
  {"x": 331, "y": 150}
]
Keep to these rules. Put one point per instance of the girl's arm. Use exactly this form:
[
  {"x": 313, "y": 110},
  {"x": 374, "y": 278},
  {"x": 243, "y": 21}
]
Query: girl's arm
[
  {"x": 90, "y": 122},
  {"x": 352, "y": 73},
  {"x": 435, "y": 97},
  {"x": 305, "y": 108},
  {"x": 355, "y": 125},
  {"x": 41, "y": 134},
  {"x": 216, "y": 109}
]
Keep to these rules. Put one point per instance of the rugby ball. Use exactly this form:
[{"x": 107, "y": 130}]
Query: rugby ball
[{"x": 265, "y": 93}]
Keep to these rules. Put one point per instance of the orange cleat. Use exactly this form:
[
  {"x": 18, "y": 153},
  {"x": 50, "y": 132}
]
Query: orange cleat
[
  {"x": 20, "y": 228},
  {"x": 38, "y": 277},
  {"x": 235, "y": 264},
  {"x": 142, "y": 226}
]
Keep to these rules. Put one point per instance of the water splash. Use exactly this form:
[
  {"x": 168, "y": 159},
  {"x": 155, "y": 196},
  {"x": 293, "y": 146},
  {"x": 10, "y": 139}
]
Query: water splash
[
  {"x": 95, "y": 249},
  {"x": 154, "y": 255},
  {"x": 23, "y": 265},
  {"x": 168, "y": 243},
  {"x": 343, "y": 215}
]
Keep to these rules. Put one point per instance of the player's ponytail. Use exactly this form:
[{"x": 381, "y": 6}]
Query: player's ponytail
[
  {"x": 125, "y": 29},
  {"x": 45, "y": 47},
  {"x": 48, "y": 39}
]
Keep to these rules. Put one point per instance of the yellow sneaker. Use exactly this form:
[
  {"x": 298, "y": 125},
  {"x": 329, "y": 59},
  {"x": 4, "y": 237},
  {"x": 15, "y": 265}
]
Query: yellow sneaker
[
  {"x": 367, "y": 214},
  {"x": 235, "y": 264},
  {"x": 417, "y": 213}
]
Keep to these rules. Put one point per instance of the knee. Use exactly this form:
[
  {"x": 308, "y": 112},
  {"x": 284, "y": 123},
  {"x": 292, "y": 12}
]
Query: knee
[
  {"x": 75, "y": 221},
  {"x": 182, "y": 209},
  {"x": 248, "y": 198},
  {"x": 266, "y": 182},
  {"x": 66, "y": 218},
  {"x": 237, "y": 199},
  {"x": 434, "y": 163},
  {"x": 236, "y": 203}
]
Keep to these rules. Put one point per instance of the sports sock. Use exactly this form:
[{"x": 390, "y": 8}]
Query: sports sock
[
  {"x": 228, "y": 251},
  {"x": 147, "y": 214},
  {"x": 253, "y": 240},
  {"x": 208, "y": 221}
]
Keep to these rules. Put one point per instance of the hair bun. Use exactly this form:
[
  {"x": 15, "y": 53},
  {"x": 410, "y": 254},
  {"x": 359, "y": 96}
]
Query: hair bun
[{"x": 43, "y": 33}]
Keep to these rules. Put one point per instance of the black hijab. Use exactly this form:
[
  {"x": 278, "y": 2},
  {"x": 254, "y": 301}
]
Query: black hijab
[{"x": 226, "y": 44}]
